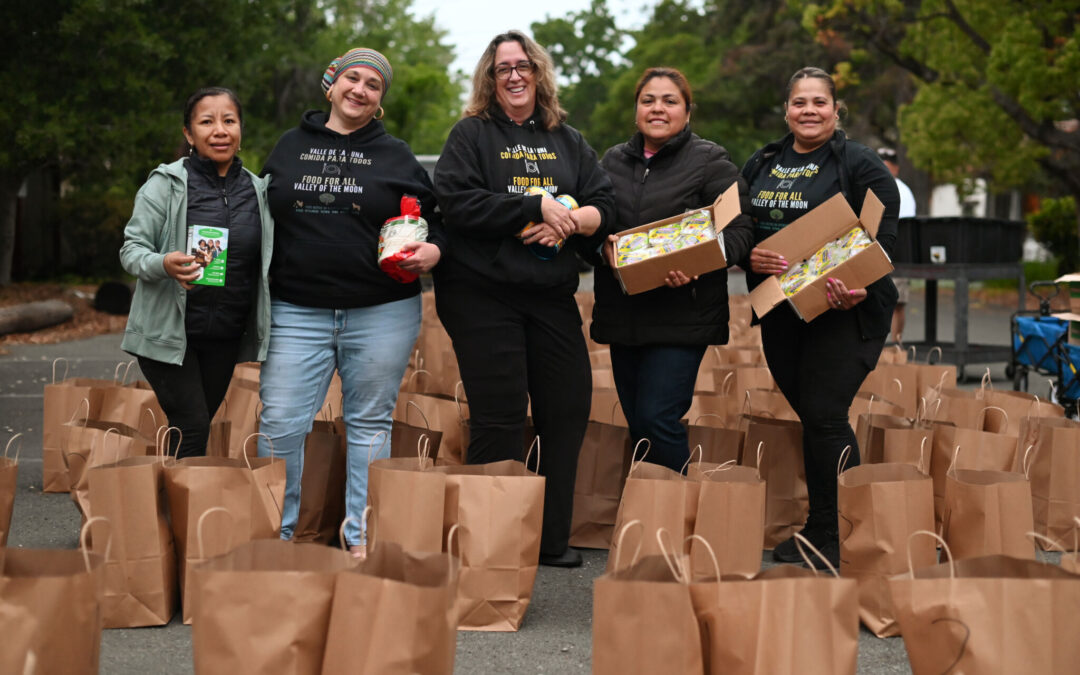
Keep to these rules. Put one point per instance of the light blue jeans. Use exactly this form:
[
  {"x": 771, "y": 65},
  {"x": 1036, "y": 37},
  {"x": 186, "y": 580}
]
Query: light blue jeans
[{"x": 369, "y": 347}]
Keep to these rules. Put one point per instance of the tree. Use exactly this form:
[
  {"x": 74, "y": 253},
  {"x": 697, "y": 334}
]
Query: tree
[{"x": 997, "y": 93}]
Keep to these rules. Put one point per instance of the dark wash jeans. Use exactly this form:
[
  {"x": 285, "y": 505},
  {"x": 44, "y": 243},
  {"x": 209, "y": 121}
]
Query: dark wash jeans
[
  {"x": 656, "y": 387},
  {"x": 819, "y": 367},
  {"x": 514, "y": 347},
  {"x": 191, "y": 393}
]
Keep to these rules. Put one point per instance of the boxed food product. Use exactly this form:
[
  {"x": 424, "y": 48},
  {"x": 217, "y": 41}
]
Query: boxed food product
[
  {"x": 825, "y": 243},
  {"x": 689, "y": 242}
]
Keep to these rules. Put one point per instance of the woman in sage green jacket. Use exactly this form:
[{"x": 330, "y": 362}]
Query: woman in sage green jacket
[{"x": 194, "y": 316}]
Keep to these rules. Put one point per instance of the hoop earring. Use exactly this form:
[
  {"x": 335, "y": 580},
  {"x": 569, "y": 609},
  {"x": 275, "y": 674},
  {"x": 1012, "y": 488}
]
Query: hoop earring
[{"x": 380, "y": 114}]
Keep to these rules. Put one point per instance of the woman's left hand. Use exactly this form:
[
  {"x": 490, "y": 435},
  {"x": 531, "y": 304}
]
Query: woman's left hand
[
  {"x": 676, "y": 278},
  {"x": 424, "y": 257},
  {"x": 840, "y": 297}
]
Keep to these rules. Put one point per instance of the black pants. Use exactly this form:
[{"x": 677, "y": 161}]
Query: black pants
[
  {"x": 514, "y": 347},
  {"x": 819, "y": 367},
  {"x": 656, "y": 388},
  {"x": 191, "y": 393}
]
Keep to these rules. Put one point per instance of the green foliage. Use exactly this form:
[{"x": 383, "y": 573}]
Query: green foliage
[
  {"x": 1054, "y": 226},
  {"x": 94, "y": 232}
]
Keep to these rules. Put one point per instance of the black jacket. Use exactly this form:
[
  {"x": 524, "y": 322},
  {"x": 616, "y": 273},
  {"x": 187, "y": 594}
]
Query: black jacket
[
  {"x": 228, "y": 201},
  {"x": 860, "y": 169},
  {"x": 330, "y": 194},
  {"x": 688, "y": 172},
  {"x": 481, "y": 178}
]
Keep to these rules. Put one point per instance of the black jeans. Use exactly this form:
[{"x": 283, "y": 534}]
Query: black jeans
[
  {"x": 819, "y": 367},
  {"x": 191, "y": 393},
  {"x": 656, "y": 387},
  {"x": 515, "y": 346}
]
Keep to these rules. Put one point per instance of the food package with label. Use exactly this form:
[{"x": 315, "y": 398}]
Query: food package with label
[{"x": 395, "y": 233}]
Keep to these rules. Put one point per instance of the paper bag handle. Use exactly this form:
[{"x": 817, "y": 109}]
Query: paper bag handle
[
  {"x": 671, "y": 556},
  {"x": 341, "y": 529},
  {"x": 986, "y": 382},
  {"x": 931, "y": 353},
  {"x": 84, "y": 532},
  {"x": 1028, "y": 455},
  {"x": 619, "y": 542},
  {"x": 243, "y": 448},
  {"x": 161, "y": 440},
  {"x": 690, "y": 458},
  {"x": 457, "y": 400},
  {"x": 944, "y": 547},
  {"x": 760, "y": 450},
  {"x": 535, "y": 444},
  {"x": 634, "y": 461},
  {"x": 54, "y": 369},
  {"x": 899, "y": 386},
  {"x": 712, "y": 556},
  {"x": 719, "y": 417},
  {"x": 153, "y": 418},
  {"x": 870, "y": 405},
  {"x": 18, "y": 448},
  {"x": 105, "y": 438},
  {"x": 727, "y": 383},
  {"x": 982, "y": 415},
  {"x": 748, "y": 409},
  {"x": 922, "y": 456},
  {"x": 951, "y": 471},
  {"x": 423, "y": 449},
  {"x": 127, "y": 372},
  {"x": 454, "y": 529},
  {"x": 1036, "y": 537},
  {"x": 613, "y": 407},
  {"x": 913, "y": 354},
  {"x": 409, "y": 405},
  {"x": 412, "y": 376},
  {"x": 841, "y": 464},
  {"x": 202, "y": 521},
  {"x": 78, "y": 407},
  {"x": 371, "y": 452},
  {"x": 730, "y": 464},
  {"x": 800, "y": 542}
]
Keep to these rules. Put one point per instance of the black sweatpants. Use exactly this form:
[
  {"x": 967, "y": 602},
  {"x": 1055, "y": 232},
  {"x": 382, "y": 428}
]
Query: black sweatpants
[
  {"x": 819, "y": 367},
  {"x": 191, "y": 393},
  {"x": 514, "y": 346}
]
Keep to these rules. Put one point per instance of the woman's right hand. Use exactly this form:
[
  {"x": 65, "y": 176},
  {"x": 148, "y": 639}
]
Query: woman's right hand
[
  {"x": 558, "y": 217},
  {"x": 181, "y": 267},
  {"x": 764, "y": 261}
]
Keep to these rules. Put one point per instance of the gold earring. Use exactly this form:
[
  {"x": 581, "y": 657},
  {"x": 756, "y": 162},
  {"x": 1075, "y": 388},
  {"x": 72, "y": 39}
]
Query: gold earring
[{"x": 380, "y": 114}]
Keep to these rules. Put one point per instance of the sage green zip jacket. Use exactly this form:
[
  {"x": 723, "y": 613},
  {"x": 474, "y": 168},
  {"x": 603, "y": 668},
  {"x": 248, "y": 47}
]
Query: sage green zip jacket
[{"x": 158, "y": 225}]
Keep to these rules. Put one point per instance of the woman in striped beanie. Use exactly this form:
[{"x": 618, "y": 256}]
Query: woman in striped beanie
[{"x": 335, "y": 180}]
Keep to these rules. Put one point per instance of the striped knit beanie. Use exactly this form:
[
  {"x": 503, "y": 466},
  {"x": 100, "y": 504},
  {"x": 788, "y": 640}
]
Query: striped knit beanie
[{"x": 368, "y": 58}]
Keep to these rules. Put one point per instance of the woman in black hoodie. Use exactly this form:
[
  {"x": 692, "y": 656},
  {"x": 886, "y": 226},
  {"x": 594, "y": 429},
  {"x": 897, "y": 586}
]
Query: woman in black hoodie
[
  {"x": 335, "y": 180},
  {"x": 506, "y": 292},
  {"x": 659, "y": 337}
]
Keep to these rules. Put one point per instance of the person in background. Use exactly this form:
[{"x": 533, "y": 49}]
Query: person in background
[
  {"x": 658, "y": 338},
  {"x": 337, "y": 178},
  {"x": 907, "y": 210},
  {"x": 510, "y": 312},
  {"x": 819, "y": 365},
  {"x": 188, "y": 338}
]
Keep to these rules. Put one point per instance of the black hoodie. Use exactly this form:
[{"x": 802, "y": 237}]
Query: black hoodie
[
  {"x": 481, "y": 178},
  {"x": 330, "y": 194}
]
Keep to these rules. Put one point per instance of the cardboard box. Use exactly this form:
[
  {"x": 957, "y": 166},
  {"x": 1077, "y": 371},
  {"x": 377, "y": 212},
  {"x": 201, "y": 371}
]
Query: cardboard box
[
  {"x": 802, "y": 238},
  {"x": 645, "y": 275}
]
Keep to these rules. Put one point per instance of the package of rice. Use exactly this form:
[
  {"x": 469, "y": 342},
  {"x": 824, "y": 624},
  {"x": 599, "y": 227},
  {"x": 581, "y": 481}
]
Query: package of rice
[{"x": 396, "y": 232}]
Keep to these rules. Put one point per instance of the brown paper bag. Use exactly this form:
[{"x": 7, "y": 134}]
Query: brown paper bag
[
  {"x": 718, "y": 443},
  {"x": 133, "y": 404},
  {"x": 812, "y": 620},
  {"x": 738, "y": 354},
  {"x": 407, "y": 500},
  {"x": 264, "y": 607},
  {"x": 894, "y": 382},
  {"x": 22, "y": 639},
  {"x": 95, "y": 444},
  {"x": 660, "y": 499},
  {"x": 987, "y": 513},
  {"x": 1019, "y": 405},
  {"x": 730, "y": 517},
  {"x": 418, "y": 636},
  {"x": 993, "y": 614},
  {"x": 866, "y": 403},
  {"x": 734, "y": 379},
  {"x": 1054, "y": 468},
  {"x": 140, "y": 558},
  {"x": 445, "y": 414},
  {"x": 241, "y": 409},
  {"x": 643, "y": 618},
  {"x": 894, "y": 354},
  {"x": 322, "y": 484},
  {"x": 406, "y": 437},
  {"x": 603, "y": 465},
  {"x": 879, "y": 506},
  {"x": 985, "y": 451},
  {"x": 63, "y": 402},
  {"x": 787, "y": 503},
  {"x": 499, "y": 508},
  {"x": 605, "y": 407},
  {"x": 768, "y": 403},
  {"x": 9, "y": 477},
  {"x": 891, "y": 439},
  {"x": 62, "y": 593},
  {"x": 250, "y": 489}
]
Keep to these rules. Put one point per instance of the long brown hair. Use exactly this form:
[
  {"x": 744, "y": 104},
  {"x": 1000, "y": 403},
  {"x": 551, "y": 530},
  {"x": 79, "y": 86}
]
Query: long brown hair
[{"x": 482, "y": 98}]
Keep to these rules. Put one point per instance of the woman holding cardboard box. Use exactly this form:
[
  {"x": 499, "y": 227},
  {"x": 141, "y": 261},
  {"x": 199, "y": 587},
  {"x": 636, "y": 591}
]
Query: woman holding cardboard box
[
  {"x": 188, "y": 336},
  {"x": 819, "y": 365},
  {"x": 658, "y": 338},
  {"x": 507, "y": 304}
]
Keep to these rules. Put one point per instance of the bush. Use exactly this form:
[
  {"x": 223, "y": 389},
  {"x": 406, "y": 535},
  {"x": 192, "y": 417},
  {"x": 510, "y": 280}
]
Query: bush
[
  {"x": 93, "y": 230},
  {"x": 1054, "y": 226}
]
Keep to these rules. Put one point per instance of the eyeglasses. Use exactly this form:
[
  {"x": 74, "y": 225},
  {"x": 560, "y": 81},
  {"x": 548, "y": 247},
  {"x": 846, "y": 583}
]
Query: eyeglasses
[{"x": 524, "y": 69}]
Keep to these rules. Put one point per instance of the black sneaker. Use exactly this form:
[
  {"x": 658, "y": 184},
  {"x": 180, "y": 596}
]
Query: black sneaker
[
  {"x": 571, "y": 557},
  {"x": 787, "y": 552},
  {"x": 831, "y": 550}
]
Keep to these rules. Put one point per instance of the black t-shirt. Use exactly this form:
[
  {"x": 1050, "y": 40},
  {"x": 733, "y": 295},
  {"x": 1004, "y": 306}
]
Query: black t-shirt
[{"x": 790, "y": 186}]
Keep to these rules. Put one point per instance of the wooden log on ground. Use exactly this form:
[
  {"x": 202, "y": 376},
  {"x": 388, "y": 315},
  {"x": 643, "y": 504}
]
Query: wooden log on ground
[{"x": 34, "y": 315}]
